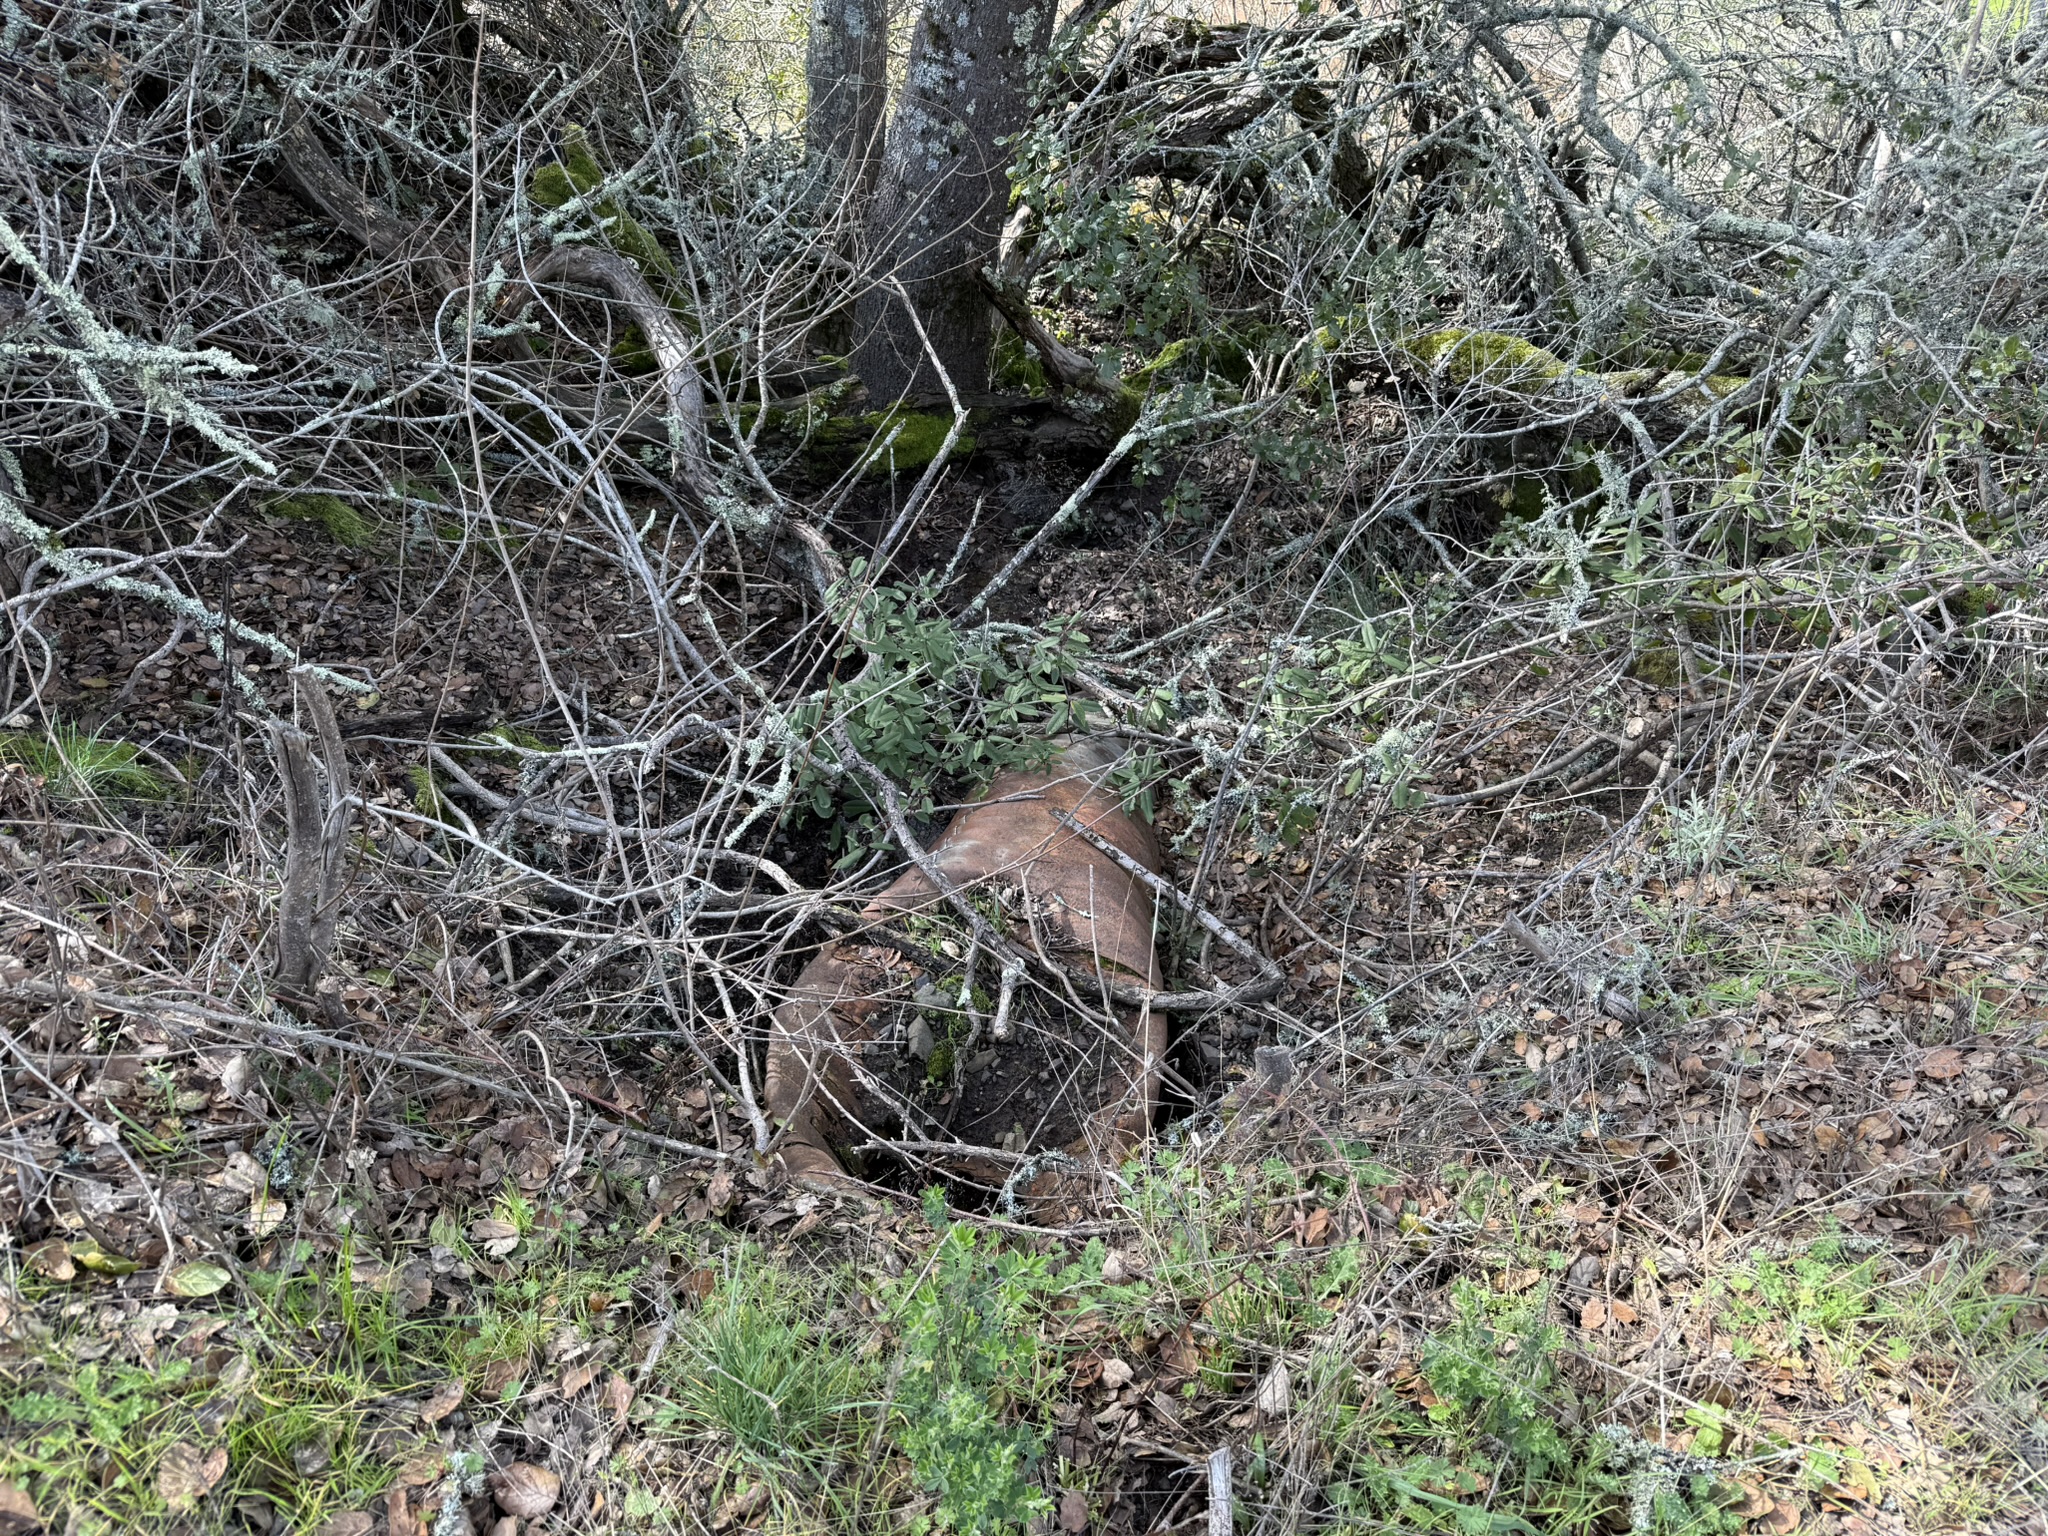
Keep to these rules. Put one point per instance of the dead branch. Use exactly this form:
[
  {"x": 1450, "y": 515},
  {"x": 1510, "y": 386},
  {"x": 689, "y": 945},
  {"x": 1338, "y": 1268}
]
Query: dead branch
[
  {"x": 318, "y": 808},
  {"x": 674, "y": 351}
]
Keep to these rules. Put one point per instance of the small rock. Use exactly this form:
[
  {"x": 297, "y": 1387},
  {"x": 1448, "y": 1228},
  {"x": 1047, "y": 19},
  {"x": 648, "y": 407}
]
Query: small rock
[
  {"x": 1276, "y": 1067},
  {"x": 920, "y": 1040}
]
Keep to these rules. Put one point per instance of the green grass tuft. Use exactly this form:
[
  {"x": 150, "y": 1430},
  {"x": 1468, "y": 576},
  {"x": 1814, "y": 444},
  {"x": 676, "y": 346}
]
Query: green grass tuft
[{"x": 77, "y": 766}]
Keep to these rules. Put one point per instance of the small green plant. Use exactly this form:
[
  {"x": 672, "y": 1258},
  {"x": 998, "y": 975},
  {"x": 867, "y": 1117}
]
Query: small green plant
[
  {"x": 970, "y": 1357},
  {"x": 1496, "y": 1367},
  {"x": 1787, "y": 1305},
  {"x": 77, "y": 766},
  {"x": 933, "y": 706},
  {"x": 1696, "y": 835},
  {"x": 1490, "y": 1447}
]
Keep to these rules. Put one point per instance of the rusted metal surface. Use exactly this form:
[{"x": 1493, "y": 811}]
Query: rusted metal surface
[{"x": 871, "y": 1044}]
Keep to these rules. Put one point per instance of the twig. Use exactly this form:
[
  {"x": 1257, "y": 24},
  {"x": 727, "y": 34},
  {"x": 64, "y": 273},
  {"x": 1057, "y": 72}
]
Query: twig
[
  {"x": 316, "y": 839},
  {"x": 1220, "y": 1520},
  {"x": 1271, "y": 977},
  {"x": 186, "y": 1014}
]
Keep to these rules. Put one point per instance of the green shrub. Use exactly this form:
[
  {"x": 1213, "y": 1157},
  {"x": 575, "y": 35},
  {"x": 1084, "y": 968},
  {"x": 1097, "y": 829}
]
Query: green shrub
[
  {"x": 934, "y": 704},
  {"x": 971, "y": 1355}
]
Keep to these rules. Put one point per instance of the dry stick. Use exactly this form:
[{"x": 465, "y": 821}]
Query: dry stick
[
  {"x": 109, "y": 1134},
  {"x": 1143, "y": 431},
  {"x": 1219, "y": 1491},
  {"x": 1633, "y": 749},
  {"x": 672, "y": 346},
  {"x": 184, "y": 1014},
  {"x": 999, "y": 1029},
  {"x": 755, "y": 1119},
  {"x": 921, "y": 492},
  {"x": 315, "y": 842},
  {"x": 1070, "y": 369},
  {"x": 324, "y": 185},
  {"x": 1271, "y": 977},
  {"x": 1617, "y": 1008},
  {"x": 1547, "y": 770},
  {"x": 1626, "y": 751}
]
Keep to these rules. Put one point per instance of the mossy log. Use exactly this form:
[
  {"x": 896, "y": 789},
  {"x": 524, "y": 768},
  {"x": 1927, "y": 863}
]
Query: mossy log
[{"x": 1497, "y": 360}]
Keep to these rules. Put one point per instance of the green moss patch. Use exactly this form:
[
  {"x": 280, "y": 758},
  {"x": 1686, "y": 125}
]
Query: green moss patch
[
  {"x": 577, "y": 173},
  {"x": 1487, "y": 357},
  {"x": 884, "y": 442},
  {"x": 344, "y": 524}
]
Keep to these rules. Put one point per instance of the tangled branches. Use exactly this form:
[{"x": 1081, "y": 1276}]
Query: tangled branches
[{"x": 1685, "y": 352}]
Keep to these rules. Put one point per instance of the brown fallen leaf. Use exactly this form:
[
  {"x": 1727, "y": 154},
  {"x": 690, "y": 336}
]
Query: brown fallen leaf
[
  {"x": 355, "y": 1523},
  {"x": 51, "y": 1260},
  {"x": 17, "y": 1511},
  {"x": 1783, "y": 1518},
  {"x": 1593, "y": 1315},
  {"x": 525, "y": 1490},
  {"x": 741, "y": 1506},
  {"x": 500, "y": 1374},
  {"x": 446, "y": 1399},
  {"x": 577, "y": 1377},
  {"x": 496, "y": 1238},
  {"x": 187, "y": 1474},
  {"x": 617, "y": 1394},
  {"x": 423, "y": 1465},
  {"x": 1180, "y": 1352},
  {"x": 1942, "y": 1064},
  {"x": 1073, "y": 1510}
]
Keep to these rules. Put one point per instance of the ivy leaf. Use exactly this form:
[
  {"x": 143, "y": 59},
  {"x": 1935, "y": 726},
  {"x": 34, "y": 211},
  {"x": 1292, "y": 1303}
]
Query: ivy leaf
[{"x": 198, "y": 1278}]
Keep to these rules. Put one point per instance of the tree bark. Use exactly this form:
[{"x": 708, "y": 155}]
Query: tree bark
[
  {"x": 846, "y": 75},
  {"x": 938, "y": 213}
]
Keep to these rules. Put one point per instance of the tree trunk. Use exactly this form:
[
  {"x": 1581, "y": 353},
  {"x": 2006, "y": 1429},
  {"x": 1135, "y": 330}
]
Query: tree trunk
[
  {"x": 945, "y": 187},
  {"x": 846, "y": 74}
]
